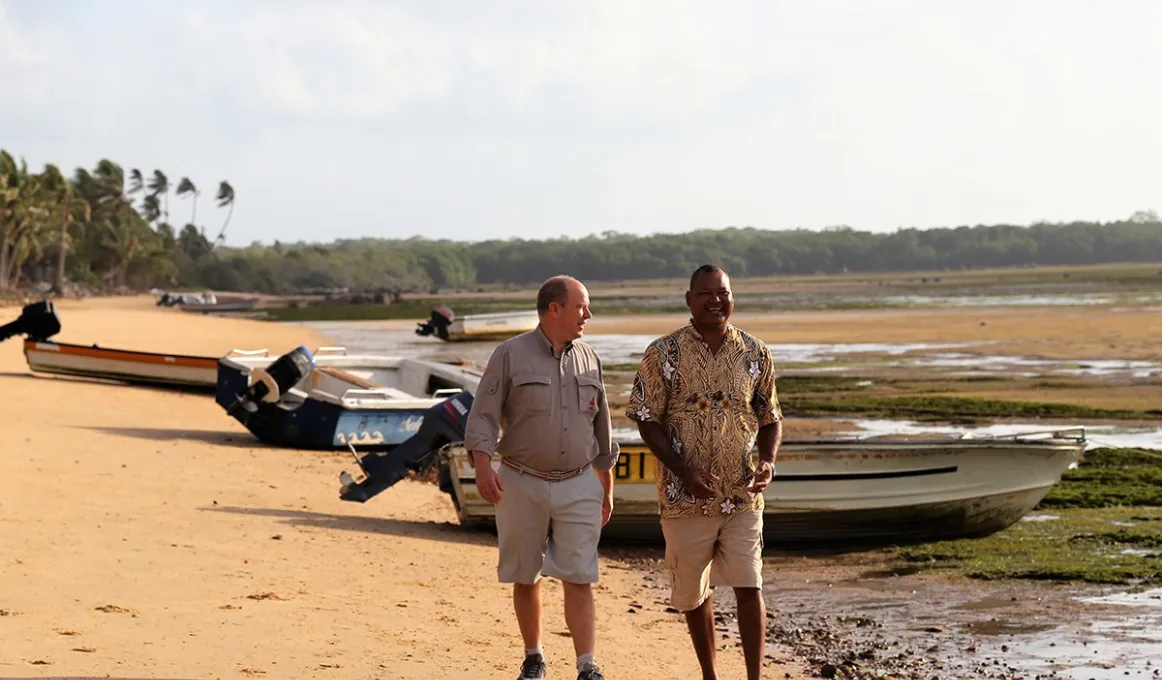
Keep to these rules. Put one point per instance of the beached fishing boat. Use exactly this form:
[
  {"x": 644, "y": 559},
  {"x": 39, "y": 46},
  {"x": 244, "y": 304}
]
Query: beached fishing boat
[
  {"x": 142, "y": 368},
  {"x": 332, "y": 400},
  {"x": 847, "y": 492},
  {"x": 494, "y": 326},
  {"x": 39, "y": 322}
]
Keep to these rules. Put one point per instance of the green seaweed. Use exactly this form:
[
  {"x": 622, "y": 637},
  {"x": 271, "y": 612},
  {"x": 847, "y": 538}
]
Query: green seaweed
[
  {"x": 1080, "y": 545},
  {"x": 960, "y": 409},
  {"x": 1107, "y": 529}
]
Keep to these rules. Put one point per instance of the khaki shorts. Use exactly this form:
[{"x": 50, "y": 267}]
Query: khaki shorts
[
  {"x": 548, "y": 528},
  {"x": 725, "y": 550}
]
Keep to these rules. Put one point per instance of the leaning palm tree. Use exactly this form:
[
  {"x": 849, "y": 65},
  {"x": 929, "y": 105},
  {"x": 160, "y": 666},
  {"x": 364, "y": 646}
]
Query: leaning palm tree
[
  {"x": 186, "y": 187},
  {"x": 151, "y": 208},
  {"x": 225, "y": 198},
  {"x": 136, "y": 181},
  {"x": 70, "y": 207},
  {"x": 159, "y": 184}
]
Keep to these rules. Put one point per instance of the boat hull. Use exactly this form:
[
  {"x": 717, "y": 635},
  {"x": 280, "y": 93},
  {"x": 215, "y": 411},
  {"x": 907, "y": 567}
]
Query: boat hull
[
  {"x": 491, "y": 327},
  {"x": 145, "y": 368},
  {"x": 305, "y": 422},
  {"x": 847, "y": 492}
]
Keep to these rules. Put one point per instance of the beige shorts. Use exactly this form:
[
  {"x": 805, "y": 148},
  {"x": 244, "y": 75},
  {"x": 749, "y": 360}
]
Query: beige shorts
[
  {"x": 704, "y": 551},
  {"x": 548, "y": 528}
]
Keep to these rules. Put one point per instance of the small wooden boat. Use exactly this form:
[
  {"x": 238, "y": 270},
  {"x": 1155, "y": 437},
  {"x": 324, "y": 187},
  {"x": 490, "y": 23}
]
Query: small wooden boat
[
  {"x": 143, "y": 368},
  {"x": 494, "y": 326},
  {"x": 846, "y": 492}
]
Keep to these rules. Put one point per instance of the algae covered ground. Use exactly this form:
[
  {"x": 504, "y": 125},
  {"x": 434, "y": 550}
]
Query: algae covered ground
[{"x": 1101, "y": 524}]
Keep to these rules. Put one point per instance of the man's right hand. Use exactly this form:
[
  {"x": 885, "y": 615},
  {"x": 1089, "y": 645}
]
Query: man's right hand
[
  {"x": 698, "y": 482},
  {"x": 487, "y": 481}
]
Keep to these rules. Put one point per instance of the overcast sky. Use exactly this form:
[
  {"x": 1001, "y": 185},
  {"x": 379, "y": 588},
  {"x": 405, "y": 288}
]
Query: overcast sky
[{"x": 472, "y": 119}]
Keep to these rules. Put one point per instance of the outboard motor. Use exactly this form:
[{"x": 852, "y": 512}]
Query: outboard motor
[
  {"x": 438, "y": 323},
  {"x": 37, "y": 321},
  {"x": 443, "y": 424},
  {"x": 270, "y": 383}
]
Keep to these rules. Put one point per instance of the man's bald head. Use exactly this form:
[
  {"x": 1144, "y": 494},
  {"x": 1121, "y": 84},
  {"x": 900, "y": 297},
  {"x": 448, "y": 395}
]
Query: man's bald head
[
  {"x": 563, "y": 305},
  {"x": 555, "y": 289}
]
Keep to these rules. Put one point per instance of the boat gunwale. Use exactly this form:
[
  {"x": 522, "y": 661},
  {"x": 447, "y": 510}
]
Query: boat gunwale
[{"x": 97, "y": 352}]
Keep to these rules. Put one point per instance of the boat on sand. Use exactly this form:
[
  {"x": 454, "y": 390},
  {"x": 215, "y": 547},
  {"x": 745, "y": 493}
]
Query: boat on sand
[
  {"x": 494, "y": 326},
  {"x": 333, "y": 400},
  {"x": 847, "y": 492},
  {"x": 39, "y": 322}
]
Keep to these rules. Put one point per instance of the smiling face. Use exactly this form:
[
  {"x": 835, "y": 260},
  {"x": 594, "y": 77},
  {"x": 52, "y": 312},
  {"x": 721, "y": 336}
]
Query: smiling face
[
  {"x": 567, "y": 321},
  {"x": 710, "y": 300}
]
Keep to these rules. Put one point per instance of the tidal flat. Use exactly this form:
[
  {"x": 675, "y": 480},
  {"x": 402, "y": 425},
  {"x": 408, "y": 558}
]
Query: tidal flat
[{"x": 1072, "y": 590}]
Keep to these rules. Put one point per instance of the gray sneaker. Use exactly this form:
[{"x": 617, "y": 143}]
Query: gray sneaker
[
  {"x": 590, "y": 671},
  {"x": 533, "y": 667}
]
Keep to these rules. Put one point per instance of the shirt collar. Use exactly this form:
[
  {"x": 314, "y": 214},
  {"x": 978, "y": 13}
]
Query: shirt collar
[
  {"x": 548, "y": 344},
  {"x": 731, "y": 332}
]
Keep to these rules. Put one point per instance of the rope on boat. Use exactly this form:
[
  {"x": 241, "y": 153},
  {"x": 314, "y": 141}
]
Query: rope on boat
[{"x": 1149, "y": 453}]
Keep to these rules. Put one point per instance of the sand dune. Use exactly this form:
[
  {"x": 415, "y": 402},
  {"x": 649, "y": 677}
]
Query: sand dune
[{"x": 144, "y": 534}]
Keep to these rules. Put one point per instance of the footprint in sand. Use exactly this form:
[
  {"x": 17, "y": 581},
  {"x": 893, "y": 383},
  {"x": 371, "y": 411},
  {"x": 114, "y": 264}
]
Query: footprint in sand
[
  {"x": 265, "y": 596},
  {"x": 114, "y": 609}
]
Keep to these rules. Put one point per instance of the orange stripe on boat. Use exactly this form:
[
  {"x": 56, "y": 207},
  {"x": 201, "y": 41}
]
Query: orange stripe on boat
[{"x": 122, "y": 355}]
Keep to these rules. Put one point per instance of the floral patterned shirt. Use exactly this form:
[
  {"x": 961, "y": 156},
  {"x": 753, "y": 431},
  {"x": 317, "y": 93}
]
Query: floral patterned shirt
[{"x": 712, "y": 406}]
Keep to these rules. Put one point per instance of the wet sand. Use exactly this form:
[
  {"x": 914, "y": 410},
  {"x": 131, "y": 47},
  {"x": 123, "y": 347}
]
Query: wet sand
[
  {"x": 147, "y": 535},
  {"x": 1096, "y": 332}
]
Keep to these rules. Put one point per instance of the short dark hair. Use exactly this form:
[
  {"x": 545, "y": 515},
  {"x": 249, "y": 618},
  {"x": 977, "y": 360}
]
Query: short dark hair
[
  {"x": 704, "y": 269},
  {"x": 555, "y": 289}
]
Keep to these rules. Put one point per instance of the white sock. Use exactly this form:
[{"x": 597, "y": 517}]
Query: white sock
[
  {"x": 585, "y": 659},
  {"x": 538, "y": 650}
]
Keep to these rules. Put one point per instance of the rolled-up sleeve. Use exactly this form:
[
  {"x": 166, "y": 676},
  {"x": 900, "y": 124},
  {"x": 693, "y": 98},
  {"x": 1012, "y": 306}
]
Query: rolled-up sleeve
[
  {"x": 647, "y": 399},
  {"x": 484, "y": 418},
  {"x": 608, "y": 450},
  {"x": 765, "y": 402}
]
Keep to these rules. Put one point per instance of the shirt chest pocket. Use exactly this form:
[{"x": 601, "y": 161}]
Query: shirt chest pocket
[
  {"x": 589, "y": 395},
  {"x": 532, "y": 393}
]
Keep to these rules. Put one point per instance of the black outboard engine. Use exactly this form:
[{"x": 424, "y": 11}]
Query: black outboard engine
[
  {"x": 270, "y": 383},
  {"x": 438, "y": 323},
  {"x": 443, "y": 424},
  {"x": 37, "y": 321}
]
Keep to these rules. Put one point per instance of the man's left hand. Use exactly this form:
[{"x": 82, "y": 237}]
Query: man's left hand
[
  {"x": 764, "y": 472},
  {"x": 606, "y": 509}
]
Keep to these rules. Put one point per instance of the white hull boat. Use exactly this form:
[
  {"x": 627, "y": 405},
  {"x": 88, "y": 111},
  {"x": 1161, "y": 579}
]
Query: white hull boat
[
  {"x": 493, "y": 326},
  {"x": 863, "y": 491},
  {"x": 149, "y": 368},
  {"x": 341, "y": 401}
]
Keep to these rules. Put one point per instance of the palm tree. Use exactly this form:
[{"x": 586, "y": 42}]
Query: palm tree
[
  {"x": 16, "y": 189},
  {"x": 225, "y": 198},
  {"x": 159, "y": 184},
  {"x": 136, "y": 181},
  {"x": 69, "y": 207},
  {"x": 186, "y": 187},
  {"x": 150, "y": 208}
]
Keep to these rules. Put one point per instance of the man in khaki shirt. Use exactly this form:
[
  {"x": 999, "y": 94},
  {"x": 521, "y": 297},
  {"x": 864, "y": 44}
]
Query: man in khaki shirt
[{"x": 546, "y": 390}]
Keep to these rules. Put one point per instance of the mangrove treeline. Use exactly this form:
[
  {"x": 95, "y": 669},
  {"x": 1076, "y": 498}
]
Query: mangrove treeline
[{"x": 106, "y": 227}]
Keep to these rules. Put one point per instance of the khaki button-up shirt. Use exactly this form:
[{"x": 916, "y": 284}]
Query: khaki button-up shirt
[{"x": 552, "y": 410}]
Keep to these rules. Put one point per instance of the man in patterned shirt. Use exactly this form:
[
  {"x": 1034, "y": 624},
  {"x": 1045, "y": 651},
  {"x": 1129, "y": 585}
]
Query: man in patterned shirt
[{"x": 703, "y": 396}]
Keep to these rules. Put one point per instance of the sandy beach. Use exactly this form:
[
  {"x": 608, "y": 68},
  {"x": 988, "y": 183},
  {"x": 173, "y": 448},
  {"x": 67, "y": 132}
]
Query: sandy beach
[{"x": 147, "y": 535}]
